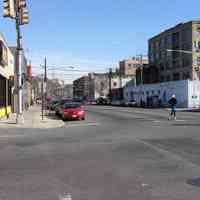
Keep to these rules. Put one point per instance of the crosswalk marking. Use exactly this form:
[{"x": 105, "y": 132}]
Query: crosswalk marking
[
  {"x": 82, "y": 125},
  {"x": 65, "y": 197}
]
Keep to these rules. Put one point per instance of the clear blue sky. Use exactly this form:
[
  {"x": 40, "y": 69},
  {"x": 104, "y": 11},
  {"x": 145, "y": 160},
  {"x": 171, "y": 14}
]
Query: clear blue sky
[{"x": 95, "y": 34}]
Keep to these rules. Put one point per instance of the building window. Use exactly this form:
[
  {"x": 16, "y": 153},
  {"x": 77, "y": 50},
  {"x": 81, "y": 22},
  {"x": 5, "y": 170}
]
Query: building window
[
  {"x": 151, "y": 57},
  {"x": 169, "y": 53},
  {"x": 157, "y": 45},
  {"x": 176, "y": 76},
  {"x": 186, "y": 76},
  {"x": 102, "y": 86},
  {"x": 162, "y": 68},
  {"x": 167, "y": 66},
  {"x": 162, "y": 41},
  {"x": 168, "y": 78},
  {"x": 167, "y": 40},
  {"x": 198, "y": 30},
  {"x": 163, "y": 53},
  {"x": 162, "y": 79},
  {"x": 130, "y": 65},
  {"x": 176, "y": 64},
  {"x": 157, "y": 55},
  {"x": 186, "y": 62}
]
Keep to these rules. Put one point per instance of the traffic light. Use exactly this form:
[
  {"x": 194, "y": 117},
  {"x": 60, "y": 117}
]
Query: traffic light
[
  {"x": 21, "y": 4},
  {"x": 9, "y": 8},
  {"x": 24, "y": 19}
]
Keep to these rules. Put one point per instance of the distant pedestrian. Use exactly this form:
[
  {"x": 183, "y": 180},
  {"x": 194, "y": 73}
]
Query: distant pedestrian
[{"x": 173, "y": 103}]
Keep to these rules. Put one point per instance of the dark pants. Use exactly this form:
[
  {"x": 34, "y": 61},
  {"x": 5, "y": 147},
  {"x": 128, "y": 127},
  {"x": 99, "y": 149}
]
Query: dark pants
[{"x": 173, "y": 111}]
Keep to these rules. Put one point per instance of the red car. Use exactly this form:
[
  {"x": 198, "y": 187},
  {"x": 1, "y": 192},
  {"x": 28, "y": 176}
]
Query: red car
[{"x": 72, "y": 111}]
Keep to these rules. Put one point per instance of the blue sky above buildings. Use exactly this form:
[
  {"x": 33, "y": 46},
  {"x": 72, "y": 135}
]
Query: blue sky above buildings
[{"x": 95, "y": 34}]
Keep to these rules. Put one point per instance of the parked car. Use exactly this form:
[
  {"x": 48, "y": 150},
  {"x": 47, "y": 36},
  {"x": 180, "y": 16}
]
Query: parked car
[
  {"x": 60, "y": 104},
  {"x": 116, "y": 103},
  {"x": 51, "y": 104},
  {"x": 93, "y": 103},
  {"x": 102, "y": 101},
  {"x": 72, "y": 111},
  {"x": 132, "y": 103}
]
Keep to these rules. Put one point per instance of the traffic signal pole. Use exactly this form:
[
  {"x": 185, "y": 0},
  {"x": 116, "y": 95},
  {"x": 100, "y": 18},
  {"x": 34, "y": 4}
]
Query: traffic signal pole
[
  {"x": 19, "y": 117},
  {"x": 17, "y": 10}
]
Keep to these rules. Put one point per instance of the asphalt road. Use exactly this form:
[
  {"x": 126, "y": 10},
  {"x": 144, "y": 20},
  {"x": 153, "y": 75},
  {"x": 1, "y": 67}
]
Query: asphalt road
[{"x": 116, "y": 154}]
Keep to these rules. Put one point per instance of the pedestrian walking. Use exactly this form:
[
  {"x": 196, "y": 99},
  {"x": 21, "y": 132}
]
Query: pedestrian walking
[{"x": 173, "y": 103}]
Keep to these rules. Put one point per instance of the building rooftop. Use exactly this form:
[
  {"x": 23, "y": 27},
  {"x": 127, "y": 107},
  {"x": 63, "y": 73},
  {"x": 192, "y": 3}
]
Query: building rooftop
[{"x": 175, "y": 27}]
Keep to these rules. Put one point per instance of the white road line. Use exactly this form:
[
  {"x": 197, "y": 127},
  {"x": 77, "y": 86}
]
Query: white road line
[
  {"x": 180, "y": 120},
  {"x": 168, "y": 121},
  {"x": 65, "y": 197},
  {"x": 10, "y": 136},
  {"x": 83, "y": 125}
]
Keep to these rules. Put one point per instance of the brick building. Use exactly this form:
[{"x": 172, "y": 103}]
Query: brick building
[
  {"x": 129, "y": 67},
  {"x": 175, "y": 65},
  {"x": 81, "y": 88}
]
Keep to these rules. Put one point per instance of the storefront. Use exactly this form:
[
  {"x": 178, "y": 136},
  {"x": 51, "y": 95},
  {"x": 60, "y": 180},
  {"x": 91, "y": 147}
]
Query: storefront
[
  {"x": 6, "y": 78},
  {"x": 5, "y": 96}
]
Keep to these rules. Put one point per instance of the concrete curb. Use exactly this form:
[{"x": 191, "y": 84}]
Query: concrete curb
[
  {"x": 32, "y": 120},
  {"x": 46, "y": 124}
]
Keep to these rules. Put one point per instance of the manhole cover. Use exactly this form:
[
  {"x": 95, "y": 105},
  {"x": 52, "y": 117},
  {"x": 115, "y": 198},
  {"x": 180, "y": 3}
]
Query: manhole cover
[{"x": 194, "y": 181}]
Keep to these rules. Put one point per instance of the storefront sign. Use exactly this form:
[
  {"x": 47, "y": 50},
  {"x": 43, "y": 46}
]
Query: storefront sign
[{"x": 3, "y": 54}]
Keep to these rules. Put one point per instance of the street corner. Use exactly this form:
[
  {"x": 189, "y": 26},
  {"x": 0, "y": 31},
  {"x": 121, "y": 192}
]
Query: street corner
[{"x": 49, "y": 124}]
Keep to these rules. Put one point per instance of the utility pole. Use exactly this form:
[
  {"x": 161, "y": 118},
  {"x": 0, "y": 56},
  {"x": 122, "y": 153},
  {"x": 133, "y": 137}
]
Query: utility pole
[
  {"x": 42, "y": 91},
  {"x": 141, "y": 76},
  {"x": 17, "y": 10},
  {"x": 45, "y": 83},
  {"x": 119, "y": 73},
  {"x": 141, "y": 56},
  {"x": 141, "y": 68},
  {"x": 110, "y": 84}
]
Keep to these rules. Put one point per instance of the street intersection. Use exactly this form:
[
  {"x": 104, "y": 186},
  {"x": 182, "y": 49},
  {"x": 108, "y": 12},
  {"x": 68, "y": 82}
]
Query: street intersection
[{"x": 117, "y": 153}]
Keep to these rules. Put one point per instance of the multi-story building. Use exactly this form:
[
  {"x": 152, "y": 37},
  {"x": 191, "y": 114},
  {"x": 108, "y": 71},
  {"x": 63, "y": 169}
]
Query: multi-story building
[
  {"x": 81, "y": 88},
  {"x": 64, "y": 91},
  {"x": 100, "y": 84},
  {"x": 176, "y": 65},
  {"x": 129, "y": 67},
  {"x": 6, "y": 78}
]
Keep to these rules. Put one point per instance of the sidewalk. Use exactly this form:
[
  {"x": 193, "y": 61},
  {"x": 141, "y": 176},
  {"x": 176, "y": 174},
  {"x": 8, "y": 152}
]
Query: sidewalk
[{"x": 32, "y": 119}]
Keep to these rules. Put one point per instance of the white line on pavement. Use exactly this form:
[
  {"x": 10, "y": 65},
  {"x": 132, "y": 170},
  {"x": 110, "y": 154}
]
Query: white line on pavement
[
  {"x": 82, "y": 125},
  {"x": 65, "y": 197},
  {"x": 10, "y": 136},
  {"x": 168, "y": 121}
]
